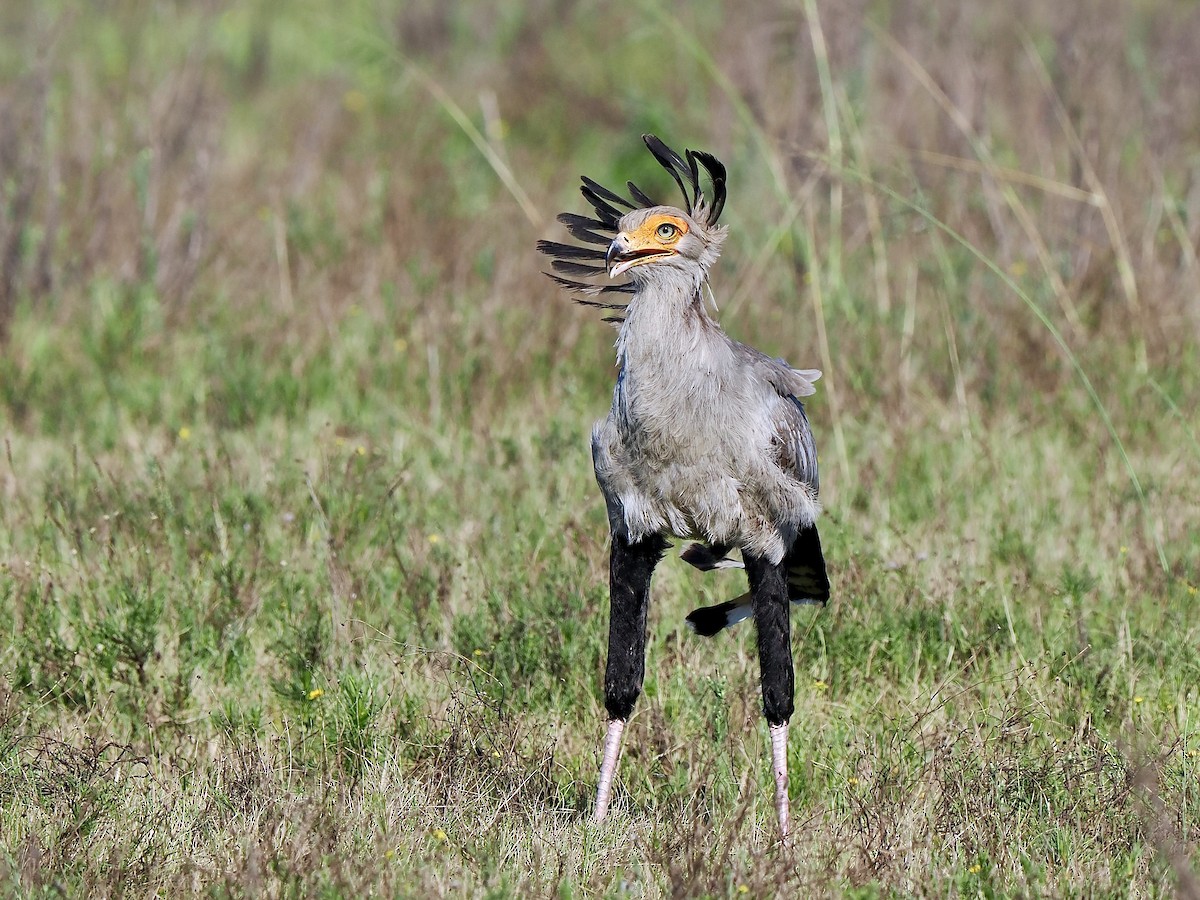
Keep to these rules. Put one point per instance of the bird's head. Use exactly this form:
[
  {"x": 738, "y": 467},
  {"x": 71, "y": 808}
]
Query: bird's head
[
  {"x": 644, "y": 239},
  {"x": 662, "y": 241}
]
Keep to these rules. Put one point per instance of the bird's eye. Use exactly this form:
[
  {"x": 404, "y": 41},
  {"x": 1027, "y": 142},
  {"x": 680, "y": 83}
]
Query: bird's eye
[{"x": 666, "y": 231}]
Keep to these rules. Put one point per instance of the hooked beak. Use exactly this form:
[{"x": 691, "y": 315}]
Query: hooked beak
[
  {"x": 623, "y": 255},
  {"x": 615, "y": 249}
]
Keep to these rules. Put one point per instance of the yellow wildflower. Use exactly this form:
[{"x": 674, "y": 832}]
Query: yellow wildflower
[
  {"x": 185, "y": 433},
  {"x": 315, "y": 694}
]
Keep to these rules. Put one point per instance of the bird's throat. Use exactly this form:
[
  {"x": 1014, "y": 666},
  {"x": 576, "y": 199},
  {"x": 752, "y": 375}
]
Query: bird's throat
[{"x": 665, "y": 321}]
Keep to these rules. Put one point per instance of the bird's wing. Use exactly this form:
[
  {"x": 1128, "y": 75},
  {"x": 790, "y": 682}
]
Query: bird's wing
[
  {"x": 787, "y": 381},
  {"x": 796, "y": 453},
  {"x": 795, "y": 450},
  {"x": 793, "y": 439}
]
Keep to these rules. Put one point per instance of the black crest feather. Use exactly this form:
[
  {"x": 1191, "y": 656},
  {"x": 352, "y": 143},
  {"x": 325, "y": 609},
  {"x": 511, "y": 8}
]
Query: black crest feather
[
  {"x": 687, "y": 174},
  {"x": 568, "y": 251},
  {"x": 639, "y": 196},
  {"x": 609, "y": 207},
  {"x": 573, "y": 268},
  {"x": 675, "y": 166},
  {"x": 716, "y": 173},
  {"x": 584, "y": 229}
]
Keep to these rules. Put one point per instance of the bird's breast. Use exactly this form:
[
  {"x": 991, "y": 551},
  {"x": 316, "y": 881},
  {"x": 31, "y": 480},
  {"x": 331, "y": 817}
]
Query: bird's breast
[{"x": 687, "y": 415}]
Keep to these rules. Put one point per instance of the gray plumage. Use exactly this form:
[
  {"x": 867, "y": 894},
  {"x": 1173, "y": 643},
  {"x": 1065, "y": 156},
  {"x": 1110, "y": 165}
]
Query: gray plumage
[{"x": 707, "y": 439}]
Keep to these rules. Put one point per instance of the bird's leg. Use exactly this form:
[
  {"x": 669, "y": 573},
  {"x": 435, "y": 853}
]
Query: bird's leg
[
  {"x": 769, "y": 593},
  {"x": 608, "y": 767},
  {"x": 629, "y": 571},
  {"x": 779, "y": 736}
]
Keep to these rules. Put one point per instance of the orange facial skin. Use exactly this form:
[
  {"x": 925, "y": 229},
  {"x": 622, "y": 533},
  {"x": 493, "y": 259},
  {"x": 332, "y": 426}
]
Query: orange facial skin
[{"x": 653, "y": 239}]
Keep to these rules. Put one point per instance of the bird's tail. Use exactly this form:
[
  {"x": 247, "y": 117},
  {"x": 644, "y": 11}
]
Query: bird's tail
[
  {"x": 708, "y": 620},
  {"x": 806, "y": 578}
]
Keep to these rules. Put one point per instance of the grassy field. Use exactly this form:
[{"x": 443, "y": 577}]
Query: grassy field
[{"x": 302, "y": 566}]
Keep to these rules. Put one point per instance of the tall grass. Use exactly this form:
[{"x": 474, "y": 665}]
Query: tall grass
[{"x": 302, "y": 561}]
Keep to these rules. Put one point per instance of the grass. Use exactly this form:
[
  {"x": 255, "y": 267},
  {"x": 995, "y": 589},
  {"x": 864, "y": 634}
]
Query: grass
[{"x": 301, "y": 560}]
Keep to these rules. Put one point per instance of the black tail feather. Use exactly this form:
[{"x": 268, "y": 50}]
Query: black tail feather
[
  {"x": 706, "y": 558},
  {"x": 709, "y": 620},
  {"x": 807, "y": 578},
  {"x": 807, "y": 582}
]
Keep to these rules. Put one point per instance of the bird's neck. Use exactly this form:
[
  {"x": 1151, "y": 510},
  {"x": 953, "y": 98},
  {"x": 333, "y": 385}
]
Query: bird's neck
[{"x": 664, "y": 321}]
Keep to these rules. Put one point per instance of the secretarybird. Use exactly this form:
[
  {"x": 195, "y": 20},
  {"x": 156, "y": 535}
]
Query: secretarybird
[{"x": 707, "y": 441}]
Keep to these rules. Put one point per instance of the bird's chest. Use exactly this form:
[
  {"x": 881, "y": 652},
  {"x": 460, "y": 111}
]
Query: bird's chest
[
  {"x": 684, "y": 455},
  {"x": 680, "y": 414}
]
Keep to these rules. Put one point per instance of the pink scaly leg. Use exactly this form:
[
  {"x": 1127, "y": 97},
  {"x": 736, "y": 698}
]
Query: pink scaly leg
[
  {"x": 608, "y": 768},
  {"x": 779, "y": 735}
]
